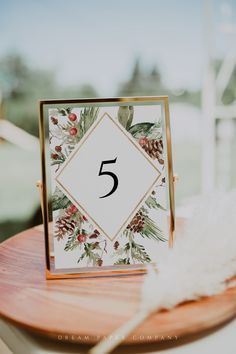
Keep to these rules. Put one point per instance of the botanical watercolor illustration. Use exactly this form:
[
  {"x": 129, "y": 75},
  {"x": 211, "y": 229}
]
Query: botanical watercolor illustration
[{"x": 71, "y": 225}]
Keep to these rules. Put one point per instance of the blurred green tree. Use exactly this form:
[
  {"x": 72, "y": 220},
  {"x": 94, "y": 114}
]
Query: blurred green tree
[
  {"x": 141, "y": 83},
  {"x": 21, "y": 87},
  {"x": 150, "y": 82}
]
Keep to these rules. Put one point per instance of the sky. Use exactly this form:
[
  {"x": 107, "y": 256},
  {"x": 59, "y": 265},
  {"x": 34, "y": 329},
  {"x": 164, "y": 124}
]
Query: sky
[{"x": 97, "y": 41}]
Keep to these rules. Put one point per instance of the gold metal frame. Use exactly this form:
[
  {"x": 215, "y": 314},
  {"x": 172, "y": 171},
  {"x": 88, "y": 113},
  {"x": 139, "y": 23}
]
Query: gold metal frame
[{"x": 50, "y": 274}]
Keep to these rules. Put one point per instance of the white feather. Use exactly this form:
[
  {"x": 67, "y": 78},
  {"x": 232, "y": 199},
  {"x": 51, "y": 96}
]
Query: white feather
[{"x": 203, "y": 257}]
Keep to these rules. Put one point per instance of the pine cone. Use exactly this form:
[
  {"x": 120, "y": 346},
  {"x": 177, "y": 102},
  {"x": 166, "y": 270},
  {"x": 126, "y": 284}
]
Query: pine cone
[
  {"x": 64, "y": 226},
  {"x": 154, "y": 148},
  {"x": 137, "y": 223}
]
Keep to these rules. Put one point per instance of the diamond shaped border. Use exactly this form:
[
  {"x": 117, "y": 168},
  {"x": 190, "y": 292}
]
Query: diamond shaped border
[{"x": 80, "y": 143}]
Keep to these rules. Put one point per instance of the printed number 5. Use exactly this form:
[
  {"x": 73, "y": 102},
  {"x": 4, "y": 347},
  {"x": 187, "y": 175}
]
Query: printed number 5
[{"x": 111, "y": 174}]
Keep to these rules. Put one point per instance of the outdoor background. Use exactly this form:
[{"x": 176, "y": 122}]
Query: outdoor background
[{"x": 74, "y": 49}]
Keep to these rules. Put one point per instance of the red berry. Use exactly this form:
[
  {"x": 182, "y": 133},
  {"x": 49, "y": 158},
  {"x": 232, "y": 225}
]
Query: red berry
[
  {"x": 54, "y": 156},
  {"x": 84, "y": 218},
  {"x": 93, "y": 236},
  {"x": 58, "y": 148},
  {"x": 72, "y": 209},
  {"x": 143, "y": 141},
  {"x": 73, "y": 131},
  {"x": 81, "y": 238},
  {"x": 72, "y": 117}
]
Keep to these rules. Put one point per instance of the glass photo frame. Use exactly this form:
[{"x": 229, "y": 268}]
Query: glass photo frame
[{"x": 107, "y": 190}]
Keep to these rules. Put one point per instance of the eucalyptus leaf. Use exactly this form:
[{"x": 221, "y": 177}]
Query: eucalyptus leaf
[
  {"x": 141, "y": 129},
  {"x": 125, "y": 116}
]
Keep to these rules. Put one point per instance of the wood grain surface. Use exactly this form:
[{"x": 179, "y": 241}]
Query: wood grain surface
[{"x": 86, "y": 310}]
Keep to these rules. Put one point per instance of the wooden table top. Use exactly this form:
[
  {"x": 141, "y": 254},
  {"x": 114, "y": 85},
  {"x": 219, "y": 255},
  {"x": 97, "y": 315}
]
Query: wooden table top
[{"x": 85, "y": 310}]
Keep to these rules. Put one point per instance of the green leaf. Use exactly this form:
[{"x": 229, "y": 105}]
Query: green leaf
[
  {"x": 81, "y": 257},
  {"x": 68, "y": 110},
  {"x": 62, "y": 111},
  {"x": 56, "y": 162},
  {"x": 140, "y": 129},
  {"x": 152, "y": 203},
  {"x": 88, "y": 117},
  {"x": 72, "y": 242},
  {"x": 132, "y": 252},
  {"x": 89, "y": 253},
  {"x": 125, "y": 116},
  {"x": 156, "y": 131},
  {"x": 59, "y": 200}
]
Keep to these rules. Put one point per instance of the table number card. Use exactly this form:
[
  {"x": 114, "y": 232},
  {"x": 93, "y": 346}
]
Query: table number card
[{"x": 107, "y": 184}]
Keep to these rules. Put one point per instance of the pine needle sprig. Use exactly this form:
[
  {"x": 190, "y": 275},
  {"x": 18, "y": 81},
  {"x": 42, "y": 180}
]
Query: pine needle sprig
[
  {"x": 91, "y": 254},
  {"x": 72, "y": 242},
  {"x": 132, "y": 252},
  {"x": 152, "y": 231},
  {"x": 151, "y": 202},
  {"x": 139, "y": 254},
  {"x": 88, "y": 117}
]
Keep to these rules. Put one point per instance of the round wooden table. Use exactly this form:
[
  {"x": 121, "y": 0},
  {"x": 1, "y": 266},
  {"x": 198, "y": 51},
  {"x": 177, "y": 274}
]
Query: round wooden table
[{"x": 86, "y": 310}]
